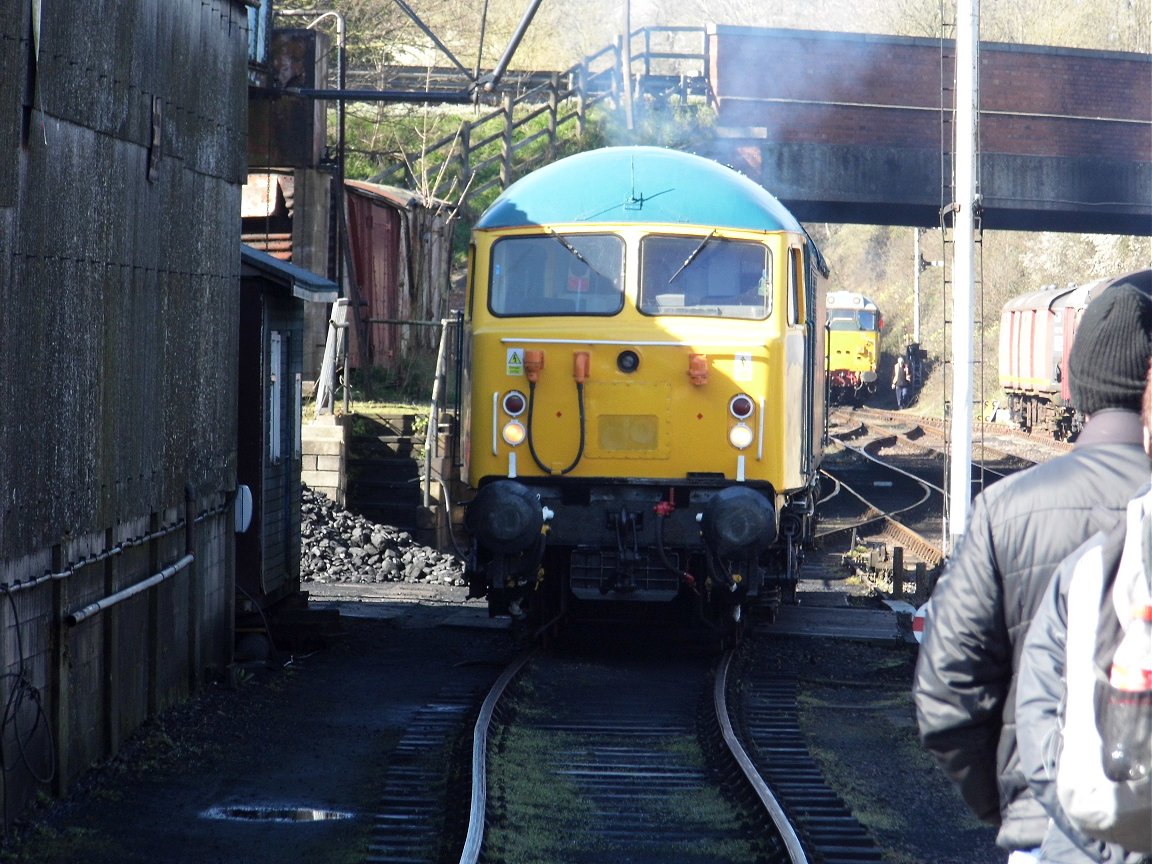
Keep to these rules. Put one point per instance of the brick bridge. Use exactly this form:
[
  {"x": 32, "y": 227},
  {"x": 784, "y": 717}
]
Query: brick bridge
[{"x": 857, "y": 128}]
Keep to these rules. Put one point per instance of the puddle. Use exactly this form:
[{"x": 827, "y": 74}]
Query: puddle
[{"x": 269, "y": 813}]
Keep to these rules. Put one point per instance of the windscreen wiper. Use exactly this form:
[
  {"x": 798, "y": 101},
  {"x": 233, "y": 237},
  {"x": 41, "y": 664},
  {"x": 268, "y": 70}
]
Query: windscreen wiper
[
  {"x": 563, "y": 241},
  {"x": 692, "y": 257}
]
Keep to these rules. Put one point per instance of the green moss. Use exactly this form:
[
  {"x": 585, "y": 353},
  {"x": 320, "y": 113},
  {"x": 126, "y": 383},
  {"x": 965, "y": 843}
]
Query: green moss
[
  {"x": 546, "y": 818},
  {"x": 45, "y": 845}
]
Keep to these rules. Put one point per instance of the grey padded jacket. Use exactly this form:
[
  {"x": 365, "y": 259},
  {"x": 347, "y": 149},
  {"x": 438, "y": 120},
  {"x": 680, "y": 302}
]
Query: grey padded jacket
[
  {"x": 1039, "y": 699},
  {"x": 1018, "y": 531}
]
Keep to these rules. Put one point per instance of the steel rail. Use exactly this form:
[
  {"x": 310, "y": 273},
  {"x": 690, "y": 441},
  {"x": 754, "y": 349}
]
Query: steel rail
[
  {"x": 924, "y": 483},
  {"x": 776, "y": 813},
  {"x": 474, "y": 841},
  {"x": 901, "y": 534}
]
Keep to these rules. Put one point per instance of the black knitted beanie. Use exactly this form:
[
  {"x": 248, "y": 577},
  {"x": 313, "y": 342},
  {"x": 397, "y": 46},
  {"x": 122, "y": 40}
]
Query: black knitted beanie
[{"x": 1108, "y": 363}]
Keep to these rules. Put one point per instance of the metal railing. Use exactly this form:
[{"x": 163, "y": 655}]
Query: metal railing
[{"x": 524, "y": 132}]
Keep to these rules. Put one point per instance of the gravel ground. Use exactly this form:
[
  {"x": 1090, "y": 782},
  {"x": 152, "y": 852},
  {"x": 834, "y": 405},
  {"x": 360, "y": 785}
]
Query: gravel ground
[{"x": 316, "y": 730}]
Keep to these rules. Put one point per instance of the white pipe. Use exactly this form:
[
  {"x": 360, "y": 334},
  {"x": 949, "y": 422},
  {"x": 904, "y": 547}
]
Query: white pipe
[{"x": 112, "y": 599}]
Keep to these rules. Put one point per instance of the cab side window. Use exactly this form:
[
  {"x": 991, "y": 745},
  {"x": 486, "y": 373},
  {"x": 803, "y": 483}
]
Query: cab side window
[{"x": 796, "y": 312}]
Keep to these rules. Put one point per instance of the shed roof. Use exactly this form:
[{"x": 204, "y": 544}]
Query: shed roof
[
  {"x": 304, "y": 284},
  {"x": 403, "y": 199}
]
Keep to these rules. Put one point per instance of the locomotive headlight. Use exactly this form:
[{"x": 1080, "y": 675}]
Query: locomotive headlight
[
  {"x": 514, "y": 433},
  {"x": 740, "y": 436}
]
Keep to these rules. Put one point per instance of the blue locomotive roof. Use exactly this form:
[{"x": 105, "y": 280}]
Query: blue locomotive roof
[{"x": 638, "y": 184}]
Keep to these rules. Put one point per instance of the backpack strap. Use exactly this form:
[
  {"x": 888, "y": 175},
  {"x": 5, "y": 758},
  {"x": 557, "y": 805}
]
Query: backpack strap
[{"x": 1109, "y": 631}]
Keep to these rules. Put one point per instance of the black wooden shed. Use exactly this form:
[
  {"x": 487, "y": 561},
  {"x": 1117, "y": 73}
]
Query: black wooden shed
[{"x": 273, "y": 294}]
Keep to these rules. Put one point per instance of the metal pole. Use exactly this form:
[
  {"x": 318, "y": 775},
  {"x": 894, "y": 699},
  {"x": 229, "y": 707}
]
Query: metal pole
[
  {"x": 431, "y": 437},
  {"x": 917, "y": 268},
  {"x": 408, "y": 10},
  {"x": 964, "y": 227},
  {"x": 488, "y": 82},
  {"x": 626, "y": 66},
  {"x": 506, "y": 143}
]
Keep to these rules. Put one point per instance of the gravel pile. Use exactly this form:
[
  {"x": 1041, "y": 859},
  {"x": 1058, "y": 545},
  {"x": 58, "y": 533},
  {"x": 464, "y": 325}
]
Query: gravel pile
[{"x": 340, "y": 546}]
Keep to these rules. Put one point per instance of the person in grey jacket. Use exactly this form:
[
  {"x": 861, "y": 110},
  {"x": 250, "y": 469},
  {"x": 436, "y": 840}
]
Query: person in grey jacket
[
  {"x": 1046, "y": 662},
  {"x": 1018, "y": 531},
  {"x": 1040, "y": 696}
]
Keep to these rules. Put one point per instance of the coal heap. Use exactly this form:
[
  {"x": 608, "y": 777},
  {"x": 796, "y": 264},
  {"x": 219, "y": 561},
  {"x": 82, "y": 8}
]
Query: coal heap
[{"x": 340, "y": 546}]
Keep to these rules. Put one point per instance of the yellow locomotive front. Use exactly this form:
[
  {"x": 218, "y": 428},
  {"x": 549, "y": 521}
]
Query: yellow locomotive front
[
  {"x": 644, "y": 394},
  {"x": 853, "y": 345}
]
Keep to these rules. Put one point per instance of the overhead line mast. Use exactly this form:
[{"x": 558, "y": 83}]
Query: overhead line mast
[{"x": 965, "y": 207}]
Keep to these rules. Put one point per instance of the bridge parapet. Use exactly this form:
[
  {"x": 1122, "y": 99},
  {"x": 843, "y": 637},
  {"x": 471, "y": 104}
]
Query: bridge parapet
[{"x": 855, "y": 127}]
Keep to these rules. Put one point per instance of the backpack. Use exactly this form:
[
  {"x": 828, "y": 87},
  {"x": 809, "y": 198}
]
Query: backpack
[{"x": 1112, "y": 811}]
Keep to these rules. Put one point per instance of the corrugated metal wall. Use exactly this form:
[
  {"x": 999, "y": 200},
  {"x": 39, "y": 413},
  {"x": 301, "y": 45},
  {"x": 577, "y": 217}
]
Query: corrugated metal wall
[
  {"x": 123, "y": 141},
  {"x": 374, "y": 229},
  {"x": 401, "y": 248}
]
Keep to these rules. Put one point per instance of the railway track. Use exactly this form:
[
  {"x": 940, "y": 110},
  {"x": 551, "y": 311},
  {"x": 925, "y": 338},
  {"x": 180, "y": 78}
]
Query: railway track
[
  {"x": 867, "y": 494},
  {"x": 409, "y": 821},
  {"x": 831, "y": 833},
  {"x": 992, "y": 443},
  {"x": 886, "y": 476},
  {"x": 651, "y": 759},
  {"x": 665, "y": 759}
]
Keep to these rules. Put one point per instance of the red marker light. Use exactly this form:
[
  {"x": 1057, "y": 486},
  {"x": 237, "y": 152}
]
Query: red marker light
[{"x": 741, "y": 406}]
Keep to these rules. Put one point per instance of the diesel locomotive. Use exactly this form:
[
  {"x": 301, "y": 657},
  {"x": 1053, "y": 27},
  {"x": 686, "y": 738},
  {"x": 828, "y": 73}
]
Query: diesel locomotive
[
  {"x": 643, "y": 408},
  {"x": 853, "y": 347}
]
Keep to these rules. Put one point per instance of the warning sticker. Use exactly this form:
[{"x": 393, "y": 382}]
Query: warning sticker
[
  {"x": 515, "y": 363},
  {"x": 742, "y": 367}
]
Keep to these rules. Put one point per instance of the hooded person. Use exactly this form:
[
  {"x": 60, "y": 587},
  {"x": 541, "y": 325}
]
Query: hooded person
[{"x": 1018, "y": 532}]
